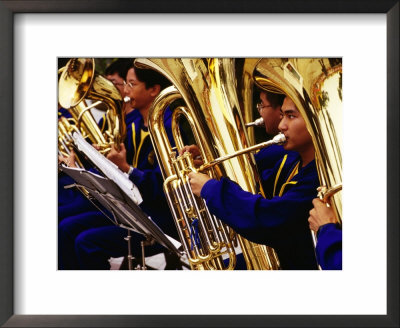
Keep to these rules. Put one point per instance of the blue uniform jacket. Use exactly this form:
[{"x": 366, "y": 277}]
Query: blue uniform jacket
[
  {"x": 64, "y": 112},
  {"x": 266, "y": 159},
  {"x": 281, "y": 219},
  {"x": 329, "y": 247},
  {"x": 146, "y": 174}
]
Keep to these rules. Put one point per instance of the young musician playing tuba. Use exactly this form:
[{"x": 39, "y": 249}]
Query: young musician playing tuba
[
  {"x": 87, "y": 242},
  {"x": 280, "y": 219}
]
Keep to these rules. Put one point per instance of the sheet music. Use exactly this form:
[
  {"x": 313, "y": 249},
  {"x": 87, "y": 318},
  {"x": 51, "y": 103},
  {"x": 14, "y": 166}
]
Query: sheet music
[{"x": 109, "y": 169}]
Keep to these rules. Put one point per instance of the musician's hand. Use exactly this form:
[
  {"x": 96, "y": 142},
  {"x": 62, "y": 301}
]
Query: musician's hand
[
  {"x": 197, "y": 181},
  {"x": 119, "y": 157},
  {"x": 320, "y": 215},
  {"x": 72, "y": 159},
  {"x": 96, "y": 146},
  {"x": 61, "y": 159},
  {"x": 195, "y": 151},
  {"x": 69, "y": 161}
]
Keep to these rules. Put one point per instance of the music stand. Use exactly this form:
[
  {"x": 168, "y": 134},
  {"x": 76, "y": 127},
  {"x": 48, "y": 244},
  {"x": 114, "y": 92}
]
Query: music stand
[{"x": 126, "y": 213}]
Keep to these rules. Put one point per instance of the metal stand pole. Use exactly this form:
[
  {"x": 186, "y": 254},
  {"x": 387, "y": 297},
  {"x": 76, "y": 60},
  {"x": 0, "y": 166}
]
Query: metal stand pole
[
  {"x": 143, "y": 244},
  {"x": 130, "y": 257},
  {"x": 148, "y": 242}
]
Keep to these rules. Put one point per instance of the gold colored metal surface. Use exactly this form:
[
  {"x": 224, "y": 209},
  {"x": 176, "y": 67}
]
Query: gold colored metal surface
[
  {"x": 315, "y": 86},
  {"x": 86, "y": 123},
  {"x": 277, "y": 140},
  {"x": 66, "y": 127},
  {"x": 245, "y": 68},
  {"x": 79, "y": 81},
  {"x": 214, "y": 112}
]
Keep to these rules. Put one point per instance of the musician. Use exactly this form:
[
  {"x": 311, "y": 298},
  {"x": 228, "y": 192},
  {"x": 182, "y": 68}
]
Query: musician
[
  {"x": 269, "y": 108},
  {"x": 65, "y": 196},
  {"x": 77, "y": 211},
  {"x": 322, "y": 220},
  {"x": 71, "y": 201},
  {"x": 280, "y": 219},
  {"x": 90, "y": 242},
  {"x": 116, "y": 73}
]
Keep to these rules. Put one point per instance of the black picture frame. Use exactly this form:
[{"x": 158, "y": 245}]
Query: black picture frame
[{"x": 7, "y": 197}]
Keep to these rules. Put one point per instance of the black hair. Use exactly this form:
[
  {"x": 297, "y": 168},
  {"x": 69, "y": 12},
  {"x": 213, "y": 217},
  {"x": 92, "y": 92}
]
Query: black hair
[
  {"x": 119, "y": 66},
  {"x": 275, "y": 99},
  {"x": 150, "y": 77},
  {"x": 62, "y": 61}
]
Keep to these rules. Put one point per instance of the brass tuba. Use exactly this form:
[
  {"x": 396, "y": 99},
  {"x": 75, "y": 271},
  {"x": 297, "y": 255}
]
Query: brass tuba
[
  {"x": 78, "y": 82},
  {"x": 66, "y": 128},
  {"x": 214, "y": 112},
  {"x": 315, "y": 86}
]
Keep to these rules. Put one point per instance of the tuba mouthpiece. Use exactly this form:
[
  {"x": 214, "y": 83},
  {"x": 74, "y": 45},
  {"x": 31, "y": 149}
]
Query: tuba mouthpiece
[
  {"x": 279, "y": 139},
  {"x": 127, "y": 99},
  {"x": 257, "y": 122}
]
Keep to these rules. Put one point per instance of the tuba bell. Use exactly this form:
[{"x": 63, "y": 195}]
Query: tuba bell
[
  {"x": 315, "y": 86},
  {"x": 78, "y": 82},
  {"x": 214, "y": 113}
]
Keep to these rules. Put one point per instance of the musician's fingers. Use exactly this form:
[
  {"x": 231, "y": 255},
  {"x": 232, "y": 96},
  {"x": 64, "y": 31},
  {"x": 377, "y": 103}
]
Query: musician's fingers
[
  {"x": 193, "y": 149},
  {"x": 312, "y": 225},
  {"x": 183, "y": 150},
  {"x": 198, "y": 162},
  {"x": 317, "y": 202}
]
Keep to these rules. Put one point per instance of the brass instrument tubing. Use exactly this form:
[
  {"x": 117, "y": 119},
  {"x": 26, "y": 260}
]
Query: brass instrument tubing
[
  {"x": 187, "y": 161},
  {"x": 66, "y": 148},
  {"x": 188, "y": 203},
  {"x": 269, "y": 262},
  {"x": 206, "y": 250},
  {"x": 211, "y": 219},
  {"x": 183, "y": 111},
  {"x": 330, "y": 192},
  {"x": 85, "y": 110},
  {"x": 239, "y": 152},
  {"x": 175, "y": 127},
  {"x": 325, "y": 194},
  {"x": 167, "y": 194},
  {"x": 220, "y": 226},
  {"x": 187, "y": 223},
  {"x": 206, "y": 236}
]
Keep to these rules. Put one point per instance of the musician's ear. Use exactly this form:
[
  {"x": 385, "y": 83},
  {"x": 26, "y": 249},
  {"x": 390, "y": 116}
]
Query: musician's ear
[{"x": 155, "y": 90}]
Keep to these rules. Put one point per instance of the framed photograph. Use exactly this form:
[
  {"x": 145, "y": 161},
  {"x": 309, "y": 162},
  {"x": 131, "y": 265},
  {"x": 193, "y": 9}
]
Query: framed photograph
[{"x": 34, "y": 34}]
